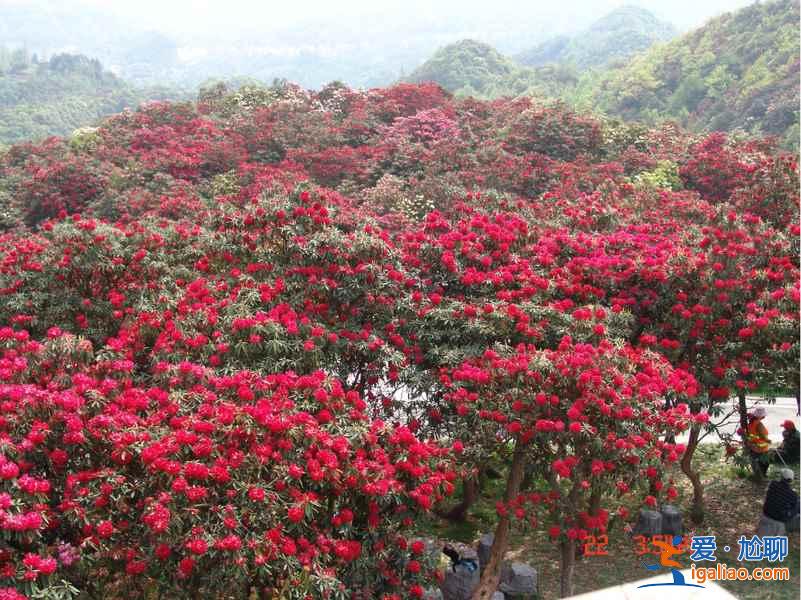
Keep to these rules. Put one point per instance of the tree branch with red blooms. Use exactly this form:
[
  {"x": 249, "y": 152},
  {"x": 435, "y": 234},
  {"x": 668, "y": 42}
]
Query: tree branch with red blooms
[{"x": 586, "y": 419}]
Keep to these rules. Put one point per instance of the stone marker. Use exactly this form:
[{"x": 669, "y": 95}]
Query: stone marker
[
  {"x": 768, "y": 526},
  {"x": 484, "y": 547},
  {"x": 649, "y": 523},
  {"x": 518, "y": 580},
  {"x": 671, "y": 520},
  {"x": 460, "y": 582}
]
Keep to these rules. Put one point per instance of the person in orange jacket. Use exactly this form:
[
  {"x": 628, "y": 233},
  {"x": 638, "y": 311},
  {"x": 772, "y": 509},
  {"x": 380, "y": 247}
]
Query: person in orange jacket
[{"x": 757, "y": 439}]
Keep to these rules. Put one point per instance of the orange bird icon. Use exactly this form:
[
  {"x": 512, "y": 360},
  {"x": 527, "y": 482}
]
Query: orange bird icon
[{"x": 668, "y": 551}]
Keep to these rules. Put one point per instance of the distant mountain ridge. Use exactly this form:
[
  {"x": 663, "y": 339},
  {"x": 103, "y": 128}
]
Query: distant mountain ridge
[
  {"x": 471, "y": 67},
  {"x": 615, "y": 36},
  {"x": 739, "y": 71},
  {"x": 39, "y": 99},
  {"x": 463, "y": 64}
]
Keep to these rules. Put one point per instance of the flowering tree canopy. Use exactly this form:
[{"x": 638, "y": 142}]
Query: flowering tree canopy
[{"x": 244, "y": 344}]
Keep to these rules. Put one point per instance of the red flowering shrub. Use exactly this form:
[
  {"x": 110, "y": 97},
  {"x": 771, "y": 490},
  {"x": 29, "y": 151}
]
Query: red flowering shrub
[
  {"x": 584, "y": 420},
  {"x": 716, "y": 169},
  {"x": 223, "y": 481},
  {"x": 220, "y": 375},
  {"x": 53, "y": 182}
]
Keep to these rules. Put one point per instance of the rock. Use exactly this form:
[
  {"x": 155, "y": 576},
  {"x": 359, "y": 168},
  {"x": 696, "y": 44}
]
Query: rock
[
  {"x": 432, "y": 594},
  {"x": 768, "y": 526},
  {"x": 649, "y": 523},
  {"x": 518, "y": 580},
  {"x": 792, "y": 524},
  {"x": 671, "y": 520},
  {"x": 498, "y": 596},
  {"x": 484, "y": 547},
  {"x": 460, "y": 582}
]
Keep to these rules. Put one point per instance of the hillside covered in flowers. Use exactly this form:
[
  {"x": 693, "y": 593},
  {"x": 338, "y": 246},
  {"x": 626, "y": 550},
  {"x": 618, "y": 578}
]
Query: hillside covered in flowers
[{"x": 246, "y": 342}]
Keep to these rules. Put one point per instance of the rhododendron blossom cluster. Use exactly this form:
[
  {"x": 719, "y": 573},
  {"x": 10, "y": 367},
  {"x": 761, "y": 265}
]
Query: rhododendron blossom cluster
[{"x": 245, "y": 344}]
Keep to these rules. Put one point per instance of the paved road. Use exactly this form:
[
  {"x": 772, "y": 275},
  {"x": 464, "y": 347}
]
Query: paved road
[
  {"x": 632, "y": 591},
  {"x": 778, "y": 413}
]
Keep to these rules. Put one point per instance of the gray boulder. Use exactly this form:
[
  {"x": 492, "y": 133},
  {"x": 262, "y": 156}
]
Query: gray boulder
[
  {"x": 518, "y": 580},
  {"x": 768, "y": 526},
  {"x": 792, "y": 524},
  {"x": 460, "y": 583},
  {"x": 649, "y": 523},
  {"x": 498, "y": 596},
  {"x": 671, "y": 520}
]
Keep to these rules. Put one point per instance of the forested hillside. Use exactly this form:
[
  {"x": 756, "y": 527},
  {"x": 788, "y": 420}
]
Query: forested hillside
[
  {"x": 551, "y": 69},
  {"x": 738, "y": 72},
  {"x": 466, "y": 65},
  {"x": 618, "y": 35},
  {"x": 471, "y": 68},
  {"x": 54, "y": 97}
]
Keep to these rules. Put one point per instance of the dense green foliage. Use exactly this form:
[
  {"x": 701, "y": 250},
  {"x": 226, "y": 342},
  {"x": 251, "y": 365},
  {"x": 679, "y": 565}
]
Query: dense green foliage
[
  {"x": 43, "y": 98},
  {"x": 618, "y": 35},
  {"x": 738, "y": 72},
  {"x": 465, "y": 63},
  {"x": 471, "y": 68}
]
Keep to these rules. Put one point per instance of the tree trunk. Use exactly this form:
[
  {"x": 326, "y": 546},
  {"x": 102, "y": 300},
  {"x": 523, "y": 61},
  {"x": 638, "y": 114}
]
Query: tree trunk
[
  {"x": 670, "y": 438},
  {"x": 492, "y": 571},
  {"x": 568, "y": 548},
  {"x": 742, "y": 409},
  {"x": 593, "y": 508},
  {"x": 697, "y": 511},
  {"x": 471, "y": 487}
]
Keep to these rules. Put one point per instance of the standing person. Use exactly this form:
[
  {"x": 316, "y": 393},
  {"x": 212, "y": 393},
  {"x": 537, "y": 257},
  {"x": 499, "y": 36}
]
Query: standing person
[{"x": 758, "y": 442}]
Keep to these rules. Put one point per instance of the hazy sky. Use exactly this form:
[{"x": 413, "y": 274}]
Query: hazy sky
[
  {"x": 208, "y": 16},
  {"x": 363, "y": 42}
]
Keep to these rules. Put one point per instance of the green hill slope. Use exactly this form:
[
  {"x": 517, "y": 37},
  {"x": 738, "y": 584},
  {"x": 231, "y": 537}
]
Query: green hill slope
[
  {"x": 738, "y": 72},
  {"x": 43, "y": 98},
  {"x": 618, "y": 35},
  {"x": 464, "y": 64},
  {"x": 471, "y": 68}
]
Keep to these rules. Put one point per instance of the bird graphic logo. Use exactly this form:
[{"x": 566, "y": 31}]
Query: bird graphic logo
[{"x": 667, "y": 551}]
